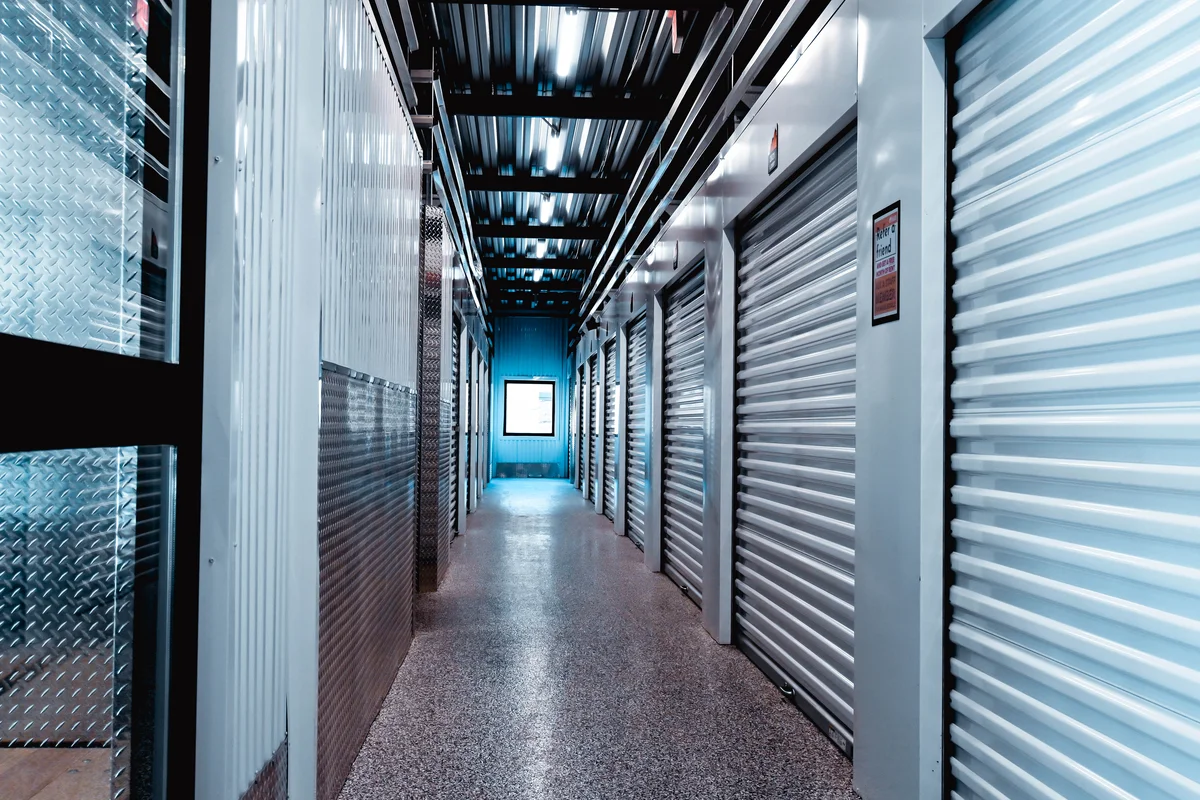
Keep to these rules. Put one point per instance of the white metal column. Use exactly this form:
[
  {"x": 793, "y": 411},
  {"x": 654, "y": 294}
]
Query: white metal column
[{"x": 1075, "y": 586}]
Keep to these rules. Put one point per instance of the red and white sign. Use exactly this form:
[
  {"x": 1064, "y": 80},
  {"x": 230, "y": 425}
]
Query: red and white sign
[{"x": 885, "y": 258}]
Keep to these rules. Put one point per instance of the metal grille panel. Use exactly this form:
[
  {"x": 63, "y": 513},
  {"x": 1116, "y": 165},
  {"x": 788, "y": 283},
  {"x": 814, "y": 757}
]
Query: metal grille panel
[
  {"x": 1075, "y": 586},
  {"x": 795, "y": 430},
  {"x": 367, "y": 508},
  {"x": 610, "y": 429},
  {"x": 637, "y": 432},
  {"x": 683, "y": 437}
]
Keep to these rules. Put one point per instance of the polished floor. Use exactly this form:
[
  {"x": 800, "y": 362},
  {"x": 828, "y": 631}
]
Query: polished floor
[{"x": 552, "y": 664}]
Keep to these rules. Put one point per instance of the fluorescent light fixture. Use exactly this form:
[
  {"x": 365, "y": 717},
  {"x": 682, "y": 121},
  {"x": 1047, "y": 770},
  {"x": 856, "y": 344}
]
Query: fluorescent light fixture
[
  {"x": 541, "y": 248},
  {"x": 650, "y": 255},
  {"x": 547, "y": 209},
  {"x": 583, "y": 135},
  {"x": 537, "y": 274},
  {"x": 609, "y": 27},
  {"x": 570, "y": 34},
  {"x": 554, "y": 151}
]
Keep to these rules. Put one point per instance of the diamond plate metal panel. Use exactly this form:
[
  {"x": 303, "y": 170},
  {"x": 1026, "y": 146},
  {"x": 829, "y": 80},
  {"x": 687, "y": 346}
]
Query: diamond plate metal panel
[
  {"x": 272, "y": 782},
  {"x": 367, "y": 514},
  {"x": 79, "y": 534},
  {"x": 433, "y": 531},
  {"x": 73, "y": 125}
]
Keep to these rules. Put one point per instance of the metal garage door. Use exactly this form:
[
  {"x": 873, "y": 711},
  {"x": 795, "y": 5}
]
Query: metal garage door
[
  {"x": 610, "y": 427},
  {"x": 455, "y": 422},
  {"x": 683, "y": 432},
  {"x": 580, "y": 427},
  {"x": 1075, "y": 595},
  {"x": 594, "y": 423},
  {"x": 794, "y": 518},
  {"x": 635, "y": 434}
]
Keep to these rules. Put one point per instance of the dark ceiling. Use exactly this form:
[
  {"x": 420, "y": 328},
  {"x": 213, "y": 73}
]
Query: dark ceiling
[{"x": 552, "y": 109}]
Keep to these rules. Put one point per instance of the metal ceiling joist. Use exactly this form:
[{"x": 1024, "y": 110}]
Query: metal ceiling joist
[
  {"x": 553, "y": 107},
  {"x": 545, "y": 184},
  {"x": 525, "y": 262},
  {"x": 523, "y": 230},
  {"x": 546, "y": 287}
]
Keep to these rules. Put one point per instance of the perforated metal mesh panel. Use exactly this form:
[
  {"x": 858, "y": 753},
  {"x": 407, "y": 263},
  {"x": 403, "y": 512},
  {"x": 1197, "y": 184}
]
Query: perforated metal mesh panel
[
  {"x": 610, "y": 429},
  {"x": 367, "y": 460},
  {"x": 683, "y": 436},
  {"x": 637, "y": 434},
  {"x": 795, "y": 425},
  {"x": 1075, "y": 585}
]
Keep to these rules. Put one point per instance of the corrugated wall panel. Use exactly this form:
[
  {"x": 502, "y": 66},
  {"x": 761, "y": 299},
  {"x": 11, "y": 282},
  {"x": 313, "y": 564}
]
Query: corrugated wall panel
[
  {"x": 255, "y": 388},
  {"x": 372, "y": 207},
  {"x": 368, "y": 446},
  {"x": 531, "y": 347}
]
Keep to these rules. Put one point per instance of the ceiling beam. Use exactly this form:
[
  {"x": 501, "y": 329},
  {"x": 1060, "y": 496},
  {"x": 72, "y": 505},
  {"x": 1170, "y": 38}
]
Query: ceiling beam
[
  {"x": 523, "y": 230},
  {"x": 546, "y": 287},
  {"x": 526, "y": 262},
  {"x": 545, "y": 184},
  {"x": 553, "y": 106}
]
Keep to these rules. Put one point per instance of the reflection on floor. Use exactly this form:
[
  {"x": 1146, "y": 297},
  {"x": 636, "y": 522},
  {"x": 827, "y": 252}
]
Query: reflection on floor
[
  {"x": 552, "y": 665},
  {"x": 54, "y": 773}
]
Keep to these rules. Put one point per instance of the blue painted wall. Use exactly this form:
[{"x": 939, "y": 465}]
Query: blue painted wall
[{"x": 527, "y": 348}]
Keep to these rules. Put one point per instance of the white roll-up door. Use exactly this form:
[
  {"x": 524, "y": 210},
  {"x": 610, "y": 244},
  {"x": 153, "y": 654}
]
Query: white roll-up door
[
  {"x": 636, "y": 434},
  {"x": 594, "y": 427},
  {"x": 610, "y": 428},
  {"x": 454, "y": 423},
  {"x": 1075, "y": 594},
  {"x": 683, "y": 436},
  {"x": 794, "y": 517},
  {"x": 468, "y": 453},
  {"x": 580, "y": 426}
]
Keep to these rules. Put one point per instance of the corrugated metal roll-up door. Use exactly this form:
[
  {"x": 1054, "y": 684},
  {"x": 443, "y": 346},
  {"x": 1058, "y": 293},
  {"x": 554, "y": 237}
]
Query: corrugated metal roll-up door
[
  {"x": 597, "y": 431},
  {"x": 580, "y": 426},
  {"x": 794, "y": 516},
  {"x": 683, "y": 436},
  {"x": 610, "y": 428},
  {"x": 455, "y": 422},
  {"x": 1075, "y": 583},
  {"x": 571, "y": 427},
  {"x": 468, "y": 436},
  {"x": 636, "y": 434}
]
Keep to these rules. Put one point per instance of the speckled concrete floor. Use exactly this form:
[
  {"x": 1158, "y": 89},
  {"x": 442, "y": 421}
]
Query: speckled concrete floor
[{"x": 553, "y": 665}]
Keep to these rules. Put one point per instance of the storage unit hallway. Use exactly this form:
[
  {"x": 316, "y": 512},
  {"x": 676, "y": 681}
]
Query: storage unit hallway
[{"x": 551, "y": 664}]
